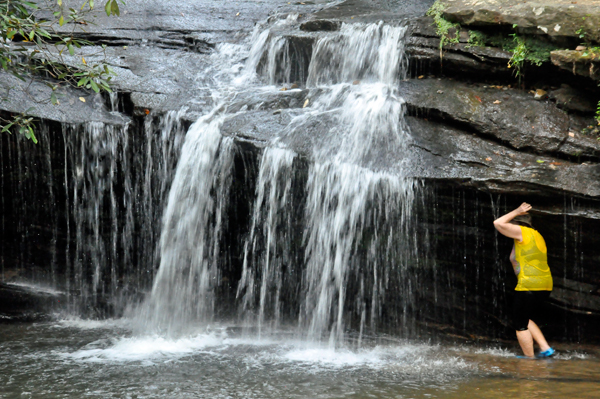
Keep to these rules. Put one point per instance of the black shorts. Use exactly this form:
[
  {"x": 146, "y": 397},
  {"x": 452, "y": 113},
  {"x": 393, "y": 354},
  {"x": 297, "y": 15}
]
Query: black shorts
[{"x": 528, "y": 305}]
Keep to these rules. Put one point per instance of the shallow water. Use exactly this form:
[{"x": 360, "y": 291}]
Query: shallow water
[{"x": 77, "y": 358}]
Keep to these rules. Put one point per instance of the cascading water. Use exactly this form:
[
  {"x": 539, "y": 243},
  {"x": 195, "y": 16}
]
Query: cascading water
[
  {"x": 269, "y": 250},
  {"x": 95, "y": 154},
  {"x": 183, "y": 290},
  {"x": 357, "y": 210}
]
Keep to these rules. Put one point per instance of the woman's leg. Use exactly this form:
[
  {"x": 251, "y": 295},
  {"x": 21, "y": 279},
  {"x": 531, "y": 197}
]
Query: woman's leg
[
  {"x": 526, "y": 341},
  {"x": 537, "y": 336}
]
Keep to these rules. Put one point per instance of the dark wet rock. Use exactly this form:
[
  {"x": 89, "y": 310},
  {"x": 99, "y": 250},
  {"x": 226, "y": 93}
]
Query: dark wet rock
[
  {"x": 582, "y": 63},
  {"x": 572, "y": 99},
  {"x": 444, "y": 152},
  {"x": 297, "y": 56},
  {"x": 321, "y": 25},
  {"x": 27, "y": 303},
  {"x": 555, "y": 18},
  {"x": 517, "y": 120}
]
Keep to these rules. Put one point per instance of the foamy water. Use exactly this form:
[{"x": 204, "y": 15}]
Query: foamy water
[
  {"x": 412, "y": 358},
  {"x": 77, "y": 358}
]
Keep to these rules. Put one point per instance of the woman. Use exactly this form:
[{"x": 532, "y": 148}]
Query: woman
[{"x": 530, "y": 261}]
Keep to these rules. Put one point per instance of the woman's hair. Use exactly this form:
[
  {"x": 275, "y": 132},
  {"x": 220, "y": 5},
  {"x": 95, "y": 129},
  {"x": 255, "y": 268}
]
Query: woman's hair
[{"x": 522, "y": 220}]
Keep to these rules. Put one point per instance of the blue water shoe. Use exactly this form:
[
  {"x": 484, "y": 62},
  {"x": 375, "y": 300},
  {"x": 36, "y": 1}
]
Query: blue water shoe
[{"x": 547, "y": 353}]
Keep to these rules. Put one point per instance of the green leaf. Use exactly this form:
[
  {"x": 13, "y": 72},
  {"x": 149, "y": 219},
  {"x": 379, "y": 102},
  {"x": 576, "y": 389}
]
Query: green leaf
[
  {"x": 17, "y": 75},
  {"x": 540, "y": 161},
  {"x": 61, "y": 20},
  {"x": 94, "y": 86},
  {"x": 31, "y": 35},
  {"x": 82, "y": 81},
  {"x": 115, "y": 8},
  {"x": 7, "y": 127},
  {"x": 59, "y": 3},
  {"x": 53, "y": 99},
  {"x": 91, "y": 4},
  {"x": 32, "y": 5},
  {"x": 71, "y": 49},
  {"x": 107, "y": 8},
  {"x": 32, "y": 136}
]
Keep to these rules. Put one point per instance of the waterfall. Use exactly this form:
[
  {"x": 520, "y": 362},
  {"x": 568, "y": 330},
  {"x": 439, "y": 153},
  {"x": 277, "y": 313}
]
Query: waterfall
[
  {"x": 183, "y": 289},
  {"x": 268, "y": 253},
  {"x": 352, "y": 209},
  {"x": 374, "y": 52},
  {"x": 350, "y": 233},
  {"x": 95, "y": 153},
  {"x": 356, "y": 230}
]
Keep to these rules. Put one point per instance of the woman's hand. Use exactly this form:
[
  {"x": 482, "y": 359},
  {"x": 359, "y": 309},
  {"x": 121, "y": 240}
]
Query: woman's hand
[{"x": 523, "y": 209}]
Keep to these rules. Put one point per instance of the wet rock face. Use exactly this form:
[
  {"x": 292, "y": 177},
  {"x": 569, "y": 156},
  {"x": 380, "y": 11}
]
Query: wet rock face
[
  {"x": 556, "y": 18},
  {"x": 504, "y": 114}
]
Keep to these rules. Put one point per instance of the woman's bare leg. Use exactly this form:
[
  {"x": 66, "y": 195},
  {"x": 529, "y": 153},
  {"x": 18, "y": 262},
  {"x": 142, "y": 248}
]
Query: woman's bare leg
[
  {"x": 537, "y": 336},
  {"x": 526, "y": 341}
]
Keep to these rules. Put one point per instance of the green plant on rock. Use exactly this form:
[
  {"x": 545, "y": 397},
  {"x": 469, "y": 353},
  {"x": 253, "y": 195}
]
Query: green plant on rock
[
  {"x": 477, "y": 39},
  {"x": 443, "y": 26},
  {"x": 525, "y": 49},
  {"x": 519, "y": 55},
  {"x": 34, "y": 45}
]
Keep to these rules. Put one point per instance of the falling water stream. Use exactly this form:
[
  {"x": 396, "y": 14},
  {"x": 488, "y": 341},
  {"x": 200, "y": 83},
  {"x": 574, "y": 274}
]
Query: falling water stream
[{"x": 332, "y": 266}]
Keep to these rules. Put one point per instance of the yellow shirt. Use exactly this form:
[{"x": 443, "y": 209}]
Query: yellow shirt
[{"x": 531, "y": 255}]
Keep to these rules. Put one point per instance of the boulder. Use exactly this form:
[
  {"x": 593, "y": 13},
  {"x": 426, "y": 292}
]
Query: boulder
[{"x": 320, "y": 25}]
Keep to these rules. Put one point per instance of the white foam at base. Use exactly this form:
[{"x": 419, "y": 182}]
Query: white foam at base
[
  {"x": 88, "y": 324},
  {"x": 146, "y": 348},
  {"x": 412, "y": 359}
]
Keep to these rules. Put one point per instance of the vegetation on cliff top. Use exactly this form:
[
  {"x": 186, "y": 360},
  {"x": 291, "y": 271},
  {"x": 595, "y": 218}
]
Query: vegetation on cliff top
[{"x": 32, "y": 46}]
